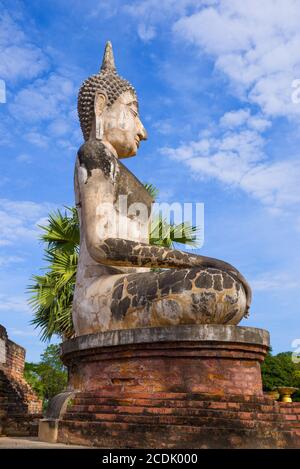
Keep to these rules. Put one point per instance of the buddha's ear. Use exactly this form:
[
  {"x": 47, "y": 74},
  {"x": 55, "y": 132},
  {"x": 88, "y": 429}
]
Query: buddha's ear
[
  {"x": 99, "y": 106},
  {"x": 99, "y": 102}
]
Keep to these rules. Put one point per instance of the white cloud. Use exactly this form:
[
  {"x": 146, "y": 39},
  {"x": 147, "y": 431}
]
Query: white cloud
[
  {"x": 164, "y": 126},
  {"x": 4, "y": 242},
  {"x": 19, "y": 219},
  {"x": 44, "y": 99},
  {"x": 7, "y": 260},
  {"x": 5, "y": 137},
  {"x": 20, "y": 58},
  {"x": 146, "y": 33},
  {"x": 275, "y": 281},
  {"x": 60, "y": 126},
  {"x": 45, "y": 110},
  {"x": 24, "y": 158},
  {"x": 36, "y": 138},
  {"x": 22, "y": 333},
  {"x": 13, "y": 304},
  {"x": 256, "y": 47},
  {"x": 236, "y": 158},
  {"x": 149, "y": 13},
  {"x": 235, "y": 118},
  {"x": 241, "y": 117},
  {"x": 40, "y": 103},
  {"x": 105, "y": 9},
  {"x": 275, "y": 184}
]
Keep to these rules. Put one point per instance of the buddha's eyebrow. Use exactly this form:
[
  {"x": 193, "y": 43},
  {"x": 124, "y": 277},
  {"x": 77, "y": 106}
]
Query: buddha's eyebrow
[{"x": 135, "y": 103}]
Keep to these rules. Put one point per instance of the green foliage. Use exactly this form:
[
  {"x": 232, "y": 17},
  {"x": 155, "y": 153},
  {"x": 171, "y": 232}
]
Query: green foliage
[
  {"x": 168, "y": 234},
  {"x": 279, "y": 370},
  {"x": 32, "y": 376},
  {"x": 153, "y": 191},
  {"x": 49, "y": 376},
  {"x": 52, "y": 293}
]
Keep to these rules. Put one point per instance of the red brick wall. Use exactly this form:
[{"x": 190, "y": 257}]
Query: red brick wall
[
  {"x": 15, "y": 359},
  {"x": 12, "y": 366}
]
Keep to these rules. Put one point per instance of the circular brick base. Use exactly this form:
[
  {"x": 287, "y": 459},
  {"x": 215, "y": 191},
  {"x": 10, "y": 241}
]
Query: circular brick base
[
  {"x": 172, "y": 387},
  {"x": 210, "y": 359}
]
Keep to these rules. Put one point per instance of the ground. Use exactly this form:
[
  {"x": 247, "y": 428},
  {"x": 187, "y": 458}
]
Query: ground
[{"x": 31, "y": 442}]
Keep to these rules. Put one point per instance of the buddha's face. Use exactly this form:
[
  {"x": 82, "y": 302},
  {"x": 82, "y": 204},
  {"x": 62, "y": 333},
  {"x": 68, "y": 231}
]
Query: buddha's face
[{"x": 121, "y": 125}]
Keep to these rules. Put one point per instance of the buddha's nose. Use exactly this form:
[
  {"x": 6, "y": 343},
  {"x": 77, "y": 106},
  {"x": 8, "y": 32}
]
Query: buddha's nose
[{"x": 142, "y": 132}]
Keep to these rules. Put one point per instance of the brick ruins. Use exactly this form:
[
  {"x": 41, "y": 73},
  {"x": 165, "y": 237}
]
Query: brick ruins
[{"x": 19, "y": 406}]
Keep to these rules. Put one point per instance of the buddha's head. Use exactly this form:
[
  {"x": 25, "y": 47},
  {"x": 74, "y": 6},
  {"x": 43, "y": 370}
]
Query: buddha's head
[{"x": 108, "y": 109}]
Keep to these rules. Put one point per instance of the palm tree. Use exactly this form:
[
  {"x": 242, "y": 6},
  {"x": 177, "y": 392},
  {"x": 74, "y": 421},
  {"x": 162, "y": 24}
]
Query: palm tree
[{"x": 52, "y": 293}]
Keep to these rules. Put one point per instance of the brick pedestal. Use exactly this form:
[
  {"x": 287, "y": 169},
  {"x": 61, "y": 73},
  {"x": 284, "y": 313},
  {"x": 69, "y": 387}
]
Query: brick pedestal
[{"x": 173, "y": 387}]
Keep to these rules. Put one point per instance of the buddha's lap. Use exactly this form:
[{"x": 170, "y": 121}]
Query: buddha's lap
[
  {"x": 154, "y": 299},
  {"x": 178, "y": 296}
]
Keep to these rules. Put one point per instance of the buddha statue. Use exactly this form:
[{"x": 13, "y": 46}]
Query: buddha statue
[{"x": 116, "y": 286}]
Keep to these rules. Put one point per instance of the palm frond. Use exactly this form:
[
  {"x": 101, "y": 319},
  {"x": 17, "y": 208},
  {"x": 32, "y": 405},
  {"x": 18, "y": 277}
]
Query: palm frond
[
  {"x": 152, "y": 190},
  {"x": 52, "y": 305},
  {"x": 167, "y": 234},
  {"x": 52, "y": 293},
  {"x": 61, "y": 231}
]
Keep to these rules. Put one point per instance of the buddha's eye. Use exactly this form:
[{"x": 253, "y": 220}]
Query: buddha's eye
[{"x": 134, "y": 112}]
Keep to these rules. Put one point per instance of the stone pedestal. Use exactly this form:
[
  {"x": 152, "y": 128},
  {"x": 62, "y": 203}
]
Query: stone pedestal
[
  {"x": 173, "y": 387},
  {"x": 215, "y": 360}
]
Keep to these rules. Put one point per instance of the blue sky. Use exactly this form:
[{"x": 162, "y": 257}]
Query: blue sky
[{"x": 214, "y": 81}]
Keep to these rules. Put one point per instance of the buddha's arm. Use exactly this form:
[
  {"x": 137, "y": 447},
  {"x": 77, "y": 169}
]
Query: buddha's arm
[{"x": 123, "y": 252}]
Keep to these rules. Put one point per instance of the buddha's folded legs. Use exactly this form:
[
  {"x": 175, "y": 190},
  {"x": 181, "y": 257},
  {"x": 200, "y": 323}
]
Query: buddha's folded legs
[
  {"x": 170, "y": 297},
  {"x": 148, "y": 299}
]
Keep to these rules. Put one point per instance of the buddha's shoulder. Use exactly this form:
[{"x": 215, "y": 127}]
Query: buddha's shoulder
[{"x": 93, "y": 154}]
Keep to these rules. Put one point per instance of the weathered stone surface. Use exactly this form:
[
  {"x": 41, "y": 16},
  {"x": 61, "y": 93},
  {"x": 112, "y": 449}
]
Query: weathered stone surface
[
  {"x": 48, "y": 430},
  {"x": 58, "y": 405},
  {"x": 219, "y": 360},
  {"x": 114, "y": 287},
  {"x": 106, "y": 81},
  {"x": 184, "y": 333}
]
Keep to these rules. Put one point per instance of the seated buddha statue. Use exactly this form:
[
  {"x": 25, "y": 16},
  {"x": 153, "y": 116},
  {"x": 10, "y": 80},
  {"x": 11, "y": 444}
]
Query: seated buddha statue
[{"x": 117, "y": 285}]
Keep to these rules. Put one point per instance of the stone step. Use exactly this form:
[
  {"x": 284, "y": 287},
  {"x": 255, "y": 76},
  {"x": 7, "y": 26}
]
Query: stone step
[
  {"x": 116, "y": 393},
  {"x": 132, "y": 402},
  {"x": 156, "y": 420},
  {"x": 184, "y": 411},
  {"x": 107, "y": 434},
  {"x": 211, "y": 419},
  {"x": 291, "y": 407}
]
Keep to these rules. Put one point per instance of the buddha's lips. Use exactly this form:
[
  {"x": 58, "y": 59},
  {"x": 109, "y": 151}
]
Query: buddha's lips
[{"x": 137, "y": 140}]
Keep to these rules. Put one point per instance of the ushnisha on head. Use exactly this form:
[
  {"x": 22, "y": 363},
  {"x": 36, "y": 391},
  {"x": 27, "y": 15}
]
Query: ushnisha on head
[{"x": 108, "y": 109}]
